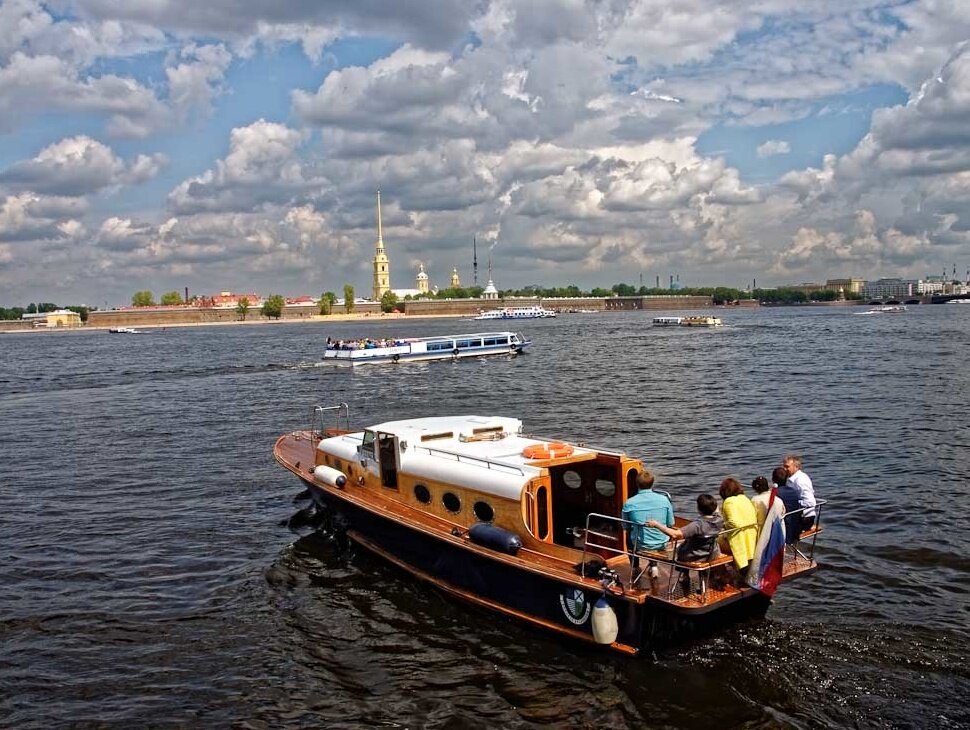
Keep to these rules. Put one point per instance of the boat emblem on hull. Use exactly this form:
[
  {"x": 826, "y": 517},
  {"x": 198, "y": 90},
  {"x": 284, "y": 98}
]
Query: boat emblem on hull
[{"x": 575, "y": 606}]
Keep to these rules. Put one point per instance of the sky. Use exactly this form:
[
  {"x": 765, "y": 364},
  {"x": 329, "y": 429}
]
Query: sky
[{"x": 239, "y": 145}]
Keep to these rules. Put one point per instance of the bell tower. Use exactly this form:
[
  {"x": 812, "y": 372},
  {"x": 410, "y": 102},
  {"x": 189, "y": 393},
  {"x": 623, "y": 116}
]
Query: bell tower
[{"x": 382, "y": 274}]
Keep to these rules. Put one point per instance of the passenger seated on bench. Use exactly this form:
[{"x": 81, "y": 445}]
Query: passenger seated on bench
[
  {"x": 647, "y": 505},
  {"x": 699, "y": 538},
  {"x": 740, "y": 516}
]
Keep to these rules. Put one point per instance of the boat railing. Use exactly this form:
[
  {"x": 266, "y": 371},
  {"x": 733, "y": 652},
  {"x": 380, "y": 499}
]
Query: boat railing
[
  {"x": 602, "y": 532},
  {"x": 318, "y": 428},
  {"x": 472, "y": 460}
]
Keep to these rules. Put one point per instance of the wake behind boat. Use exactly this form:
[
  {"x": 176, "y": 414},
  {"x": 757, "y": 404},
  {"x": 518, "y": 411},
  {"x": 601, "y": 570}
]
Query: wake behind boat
[
  {"x": 523, "y": 526},
  {"x": 886, "y": 309},
  {"x": 449, "y": 347}
]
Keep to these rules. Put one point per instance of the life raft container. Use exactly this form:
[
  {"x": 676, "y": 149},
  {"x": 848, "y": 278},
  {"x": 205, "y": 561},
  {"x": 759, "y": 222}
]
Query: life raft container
[{"x": 551, "y": 450}]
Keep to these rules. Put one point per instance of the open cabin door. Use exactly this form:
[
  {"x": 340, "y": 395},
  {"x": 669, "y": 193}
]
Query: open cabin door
[{"x": 387, "y": 458}]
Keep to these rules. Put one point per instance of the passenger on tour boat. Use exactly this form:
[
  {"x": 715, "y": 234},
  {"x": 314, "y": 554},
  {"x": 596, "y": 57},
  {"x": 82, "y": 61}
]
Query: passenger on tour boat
[
  {"x": 798, "y": 493},
  {"x": 699, "y": 538},
  {"x": 760, "y": 499},
  {"x": 739, "y": 515},
  {"x": 643, "y": 507}
]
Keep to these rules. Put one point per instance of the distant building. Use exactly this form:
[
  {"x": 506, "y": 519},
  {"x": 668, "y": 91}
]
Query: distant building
[
  {"x": 421, "y": 280},
  {"x": 931, "y": 285},
  {"x": 888, "y": 289},
  {"x": 849, "y": 286},
  {"x": 229, "y": 300},
  {"x": 382, "y": 273},
  {"x": 806, "y": 287},
  {"x": 57, "y": 318}
]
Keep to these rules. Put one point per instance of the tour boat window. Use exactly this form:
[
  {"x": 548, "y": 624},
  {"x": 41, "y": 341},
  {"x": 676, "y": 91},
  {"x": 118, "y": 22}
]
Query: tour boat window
[
  {"x": 451, "y": 502},
  {"x": 542, "y": 514},
  {"x": 572, "y": 479},
  {"x": 422, "y": 493},
  {"x": 368, "y": 446},
  {"x": 605, "y": 487},
  {"x": 483, "y": 511},
  {"x": 464, "y": 344},
  {"x": 440, "y": 346}
]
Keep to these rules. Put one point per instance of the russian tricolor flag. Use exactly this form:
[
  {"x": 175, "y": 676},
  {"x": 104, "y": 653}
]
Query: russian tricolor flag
[{"x": 769, "y": 552}]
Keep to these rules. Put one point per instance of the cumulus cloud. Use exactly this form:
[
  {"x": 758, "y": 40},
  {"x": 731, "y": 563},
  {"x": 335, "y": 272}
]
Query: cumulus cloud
[
  {"x": 29, "y": 217},
  {"x": 78, "y": 166},
  {"x": 261, "y": 167},
  {"x": 773, "y": 147}
]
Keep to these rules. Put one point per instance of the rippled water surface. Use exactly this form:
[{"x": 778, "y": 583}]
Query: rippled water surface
[{"x": 151, "y": 572}]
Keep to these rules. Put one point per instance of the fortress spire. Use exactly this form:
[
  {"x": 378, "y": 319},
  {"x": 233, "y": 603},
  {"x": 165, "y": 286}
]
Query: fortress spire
[{"x": 382, "y": 275}]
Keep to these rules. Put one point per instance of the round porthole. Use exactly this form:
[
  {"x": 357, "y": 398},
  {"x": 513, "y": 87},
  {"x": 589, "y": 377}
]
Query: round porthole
[
  {"x": 422, "y": 493},
  {"x": 572, "y": 479},
  {"x": 451, "y": 502},
  {"x": 484, "y": 512},
  {"x": 605, "y": 487}
]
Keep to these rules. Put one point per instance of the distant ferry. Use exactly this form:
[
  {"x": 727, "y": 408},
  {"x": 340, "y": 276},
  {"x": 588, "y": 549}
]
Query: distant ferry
[
  {"x": 125, "y": 331},
  {"x": 533, "y": 312},
  {"x": 704, "y": 321},
  {"x": 958, "y": 301},
  {"x": 456, "y": 347},
  {"x": 887, "y": 309}
]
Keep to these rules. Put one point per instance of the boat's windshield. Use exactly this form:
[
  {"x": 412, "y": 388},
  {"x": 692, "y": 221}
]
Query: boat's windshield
[{"x": 367, "y": 448}]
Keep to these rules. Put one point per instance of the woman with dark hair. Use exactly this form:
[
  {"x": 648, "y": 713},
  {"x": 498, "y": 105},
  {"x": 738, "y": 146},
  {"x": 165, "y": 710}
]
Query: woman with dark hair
[
  {"x": 760, "y": 499},
  {"x": 740, "y": 516}
]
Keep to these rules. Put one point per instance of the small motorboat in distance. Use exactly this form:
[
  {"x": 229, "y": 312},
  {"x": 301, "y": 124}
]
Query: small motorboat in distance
[
  {"x": 125, "y": 331},
  {"x": 701, "y": 321},
  {"x": 449, "y": 347},
  {"x": 886, "y": 309},
  {"x": 667, "y": 321},
  {"x": 528, "y": 527}
]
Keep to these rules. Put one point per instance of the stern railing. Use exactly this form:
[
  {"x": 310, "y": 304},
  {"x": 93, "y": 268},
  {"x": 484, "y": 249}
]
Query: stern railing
[{"x": 341, "y": 412}]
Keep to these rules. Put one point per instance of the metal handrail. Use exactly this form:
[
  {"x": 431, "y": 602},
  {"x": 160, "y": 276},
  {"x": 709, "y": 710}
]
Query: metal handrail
[
  {"x": 818, "y": 523},
  {"x": 488, "y": 463},
  {"x": 316, "y": 417}
]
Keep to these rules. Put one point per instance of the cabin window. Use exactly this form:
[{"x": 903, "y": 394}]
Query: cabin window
[
  {"x": 448, "y": 346},
  {"x": 496, "y": 341},
  {"x": 484, "y": 512},
  {"x": 422, "y": 494},
  {"x": 465, "y": 344},
  {"x": 606, "y": 487},
  {"x": 542, "y": 514},
  {"x": 367, "y": 448},
  {"x": 572, "y": 479},
  {"x": 451, "y": 502}
]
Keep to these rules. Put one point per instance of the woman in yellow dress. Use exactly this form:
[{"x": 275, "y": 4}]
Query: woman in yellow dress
[{"x": 739, "y": 515}]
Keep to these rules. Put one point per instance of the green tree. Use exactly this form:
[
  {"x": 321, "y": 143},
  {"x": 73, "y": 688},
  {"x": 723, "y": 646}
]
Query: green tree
[
  {"x": 242, "y": 308},
  {"x": 273, "y": 306},
  {"x": 171, "y": 298},
  {"x": 142, "y": 299},
  {"x": 31, "y": 308},
  {"x": 388, "y": 301},
  {"x": 348, "y": 298},
  {"x": 327, "y": 300}
]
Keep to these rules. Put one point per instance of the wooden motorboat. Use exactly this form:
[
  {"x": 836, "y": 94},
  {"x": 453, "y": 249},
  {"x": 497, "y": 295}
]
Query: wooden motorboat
[{"x": 521, "y": 525}]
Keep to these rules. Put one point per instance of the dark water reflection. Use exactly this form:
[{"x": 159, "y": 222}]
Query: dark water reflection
[{"x": 149, "y": 575}]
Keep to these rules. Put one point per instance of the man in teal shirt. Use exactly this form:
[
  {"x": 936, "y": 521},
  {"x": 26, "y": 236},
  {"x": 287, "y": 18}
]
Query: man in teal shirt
[{"x": 646, "y": 505}]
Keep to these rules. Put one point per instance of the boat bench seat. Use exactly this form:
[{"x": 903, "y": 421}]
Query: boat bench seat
[
  {"x": 663, "y": 555},
  {"x": 814, "y": 530}
]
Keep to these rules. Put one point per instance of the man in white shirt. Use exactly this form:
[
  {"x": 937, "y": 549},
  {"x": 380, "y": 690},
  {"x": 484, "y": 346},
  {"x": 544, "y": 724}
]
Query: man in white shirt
[{"x": 799, "y": 490}]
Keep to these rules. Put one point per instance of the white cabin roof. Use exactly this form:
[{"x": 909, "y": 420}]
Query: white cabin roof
[{"x": 479, "y": 452}]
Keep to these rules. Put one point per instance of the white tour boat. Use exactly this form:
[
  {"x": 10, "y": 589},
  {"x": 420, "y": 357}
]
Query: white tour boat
[
  {"x": 124, "y": 331},
  {"x": 477, "y": 344},
  {"x": 887, "y": 309},
  {"x": 667, "y": 321},
  {"x": 701, "y": 321},
  {"x": 533, "y": 312}
]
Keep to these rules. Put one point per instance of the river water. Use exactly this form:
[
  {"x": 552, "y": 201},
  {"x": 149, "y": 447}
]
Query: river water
[{"x": 153, "y": 573}]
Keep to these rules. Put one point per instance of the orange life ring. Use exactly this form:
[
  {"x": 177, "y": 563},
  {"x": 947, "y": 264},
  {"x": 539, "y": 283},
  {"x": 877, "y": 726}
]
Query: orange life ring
[{"x": 551, "y": 450}]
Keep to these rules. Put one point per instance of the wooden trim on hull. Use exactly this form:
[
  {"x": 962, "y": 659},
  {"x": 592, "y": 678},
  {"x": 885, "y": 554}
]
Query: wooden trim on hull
[{"x": 483, "y": 602}]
